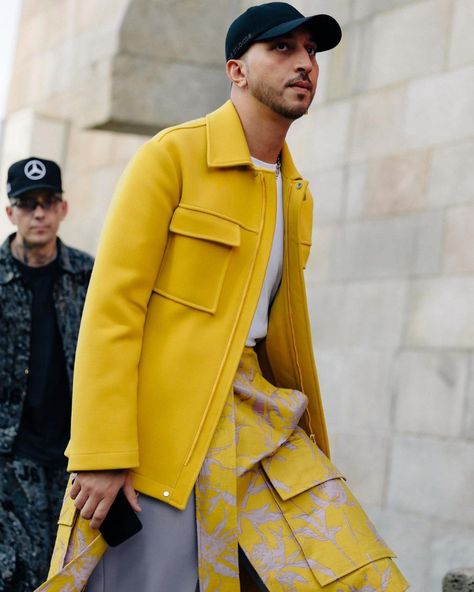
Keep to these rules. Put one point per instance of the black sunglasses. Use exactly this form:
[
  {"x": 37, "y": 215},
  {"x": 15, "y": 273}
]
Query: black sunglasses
[{"x": 29, "y": 202}]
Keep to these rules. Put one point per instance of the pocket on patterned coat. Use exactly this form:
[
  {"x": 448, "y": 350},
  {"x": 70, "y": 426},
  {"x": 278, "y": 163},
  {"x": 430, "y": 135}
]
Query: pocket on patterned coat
[{"x": 336, "y": 536}]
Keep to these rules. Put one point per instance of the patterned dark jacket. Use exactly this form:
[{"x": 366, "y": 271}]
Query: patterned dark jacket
[{"x": 15, "y": 322}]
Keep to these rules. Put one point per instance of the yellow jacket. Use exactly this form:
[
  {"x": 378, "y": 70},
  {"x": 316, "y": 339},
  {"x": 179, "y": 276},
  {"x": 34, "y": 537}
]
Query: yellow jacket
[{"x": 176, "y": 281}]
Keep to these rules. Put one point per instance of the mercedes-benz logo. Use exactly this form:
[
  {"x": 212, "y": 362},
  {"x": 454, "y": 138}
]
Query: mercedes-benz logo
[{"x": 35, "y": 170}]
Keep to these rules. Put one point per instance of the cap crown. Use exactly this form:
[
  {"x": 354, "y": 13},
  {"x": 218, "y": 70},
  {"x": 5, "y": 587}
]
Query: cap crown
[
  {"x": 270, "y": 20},
  {"x": 33, "y": 173}
]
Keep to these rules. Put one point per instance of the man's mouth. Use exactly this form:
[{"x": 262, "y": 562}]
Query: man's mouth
[{"x": 305, "y": 84}]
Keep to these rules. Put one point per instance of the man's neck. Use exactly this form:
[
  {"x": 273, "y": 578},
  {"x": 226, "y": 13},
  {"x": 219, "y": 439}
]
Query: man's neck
[
  {"x": 33, "y": 255},
  {"x": 264, "y": 130}
]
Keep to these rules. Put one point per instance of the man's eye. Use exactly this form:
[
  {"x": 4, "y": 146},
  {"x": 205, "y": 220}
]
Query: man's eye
[
  {"x": 312, "y": 51},
  {"x": 281, "y": 46}
]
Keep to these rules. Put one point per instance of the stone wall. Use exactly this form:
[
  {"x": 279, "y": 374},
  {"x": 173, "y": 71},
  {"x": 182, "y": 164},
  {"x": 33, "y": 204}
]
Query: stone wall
[{"x": 388, "y": 149}]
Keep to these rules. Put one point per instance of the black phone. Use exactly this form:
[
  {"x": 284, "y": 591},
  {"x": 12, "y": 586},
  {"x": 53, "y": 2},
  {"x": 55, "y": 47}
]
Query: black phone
[{"x": 121, "y": 522}]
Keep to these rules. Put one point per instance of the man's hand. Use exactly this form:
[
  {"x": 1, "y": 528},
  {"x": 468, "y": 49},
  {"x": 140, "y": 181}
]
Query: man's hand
[{"x": 94, "y": 492}]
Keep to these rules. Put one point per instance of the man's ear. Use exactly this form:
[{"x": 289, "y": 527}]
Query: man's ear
[
  {"x": 10, "y": 214},
  {"x": 64, "y": 208},
  {"x": 236, "y": 71}
]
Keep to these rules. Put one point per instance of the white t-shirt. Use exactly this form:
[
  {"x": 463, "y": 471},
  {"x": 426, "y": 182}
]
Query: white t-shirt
[{"x": 258, "y": 328}]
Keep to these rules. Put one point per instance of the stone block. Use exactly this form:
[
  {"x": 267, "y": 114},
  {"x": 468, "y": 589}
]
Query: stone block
[
  {"x": 32, "y": 81},
  {"x": 362, "y": 9},
  {"x": 319, "y": 262},
  {"x": 428, "y": 122},
  {"x": 125, "y": 146},
  {"x": 398, "y": 184},
  {"x": 361, "y": 459},
  {"x": 359, "y": 314},
  {"x": 462, "y": 41},
  {"x": 458, "y": 256},
  {"x": 452, "y": 175},
  {"x": 100, "y": 185},
  {"x": 354, "y": 383},
  {"x": 429, "y": 392},
  {"x": 93, "y": 45},
  {"x": 339, "y": 9},
  {"x": 459, "y": 580},
  {"x": 381, "y": 248},
  {"x": 356, "y": 190},
  {"x": 377, "y": 131},
  {"x": 325, "y": 303},
  {"x": 402, "y": 48},
  {"x": 142, "y": 95},
  {"x": 327, "y": 187},
  {"x": 469, "y": 418},
  {"x": 5, "y": 225},
  {"x": 188, "y": 33},
  {"x": 433, "y": 477},
  {"x": 28, "y": 133},
  {"x": 345, "y": 76},
  {"x": 91, "y": 149},
  {"x": 429, "y": 243},
  {"x": 319, "y": 140},
  {"x": 441, "y": 313},
  {"x": 96, "y": 15}
]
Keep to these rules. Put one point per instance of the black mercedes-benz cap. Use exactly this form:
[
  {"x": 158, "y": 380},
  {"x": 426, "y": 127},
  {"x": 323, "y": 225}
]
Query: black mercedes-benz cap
[
  {"x": 267, "y": 21},
  {"x": 33, "y": 173}
]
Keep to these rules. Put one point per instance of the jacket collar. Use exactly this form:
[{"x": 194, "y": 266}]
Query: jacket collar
[
  {"x": 9, "y": 271},
  {"x": 227, "y": 146}
]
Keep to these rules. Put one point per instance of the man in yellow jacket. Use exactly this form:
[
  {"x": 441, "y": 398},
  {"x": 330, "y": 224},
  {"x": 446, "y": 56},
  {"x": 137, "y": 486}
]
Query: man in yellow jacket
[{"x": 195, "y": 383}]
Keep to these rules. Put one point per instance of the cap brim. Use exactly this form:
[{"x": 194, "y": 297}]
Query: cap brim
[
  {"x": 324, "y": 28},
  {"x": 35, "y": 186}
]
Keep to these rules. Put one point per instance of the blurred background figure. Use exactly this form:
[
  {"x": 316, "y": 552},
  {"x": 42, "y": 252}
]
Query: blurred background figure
[{"x": 43, "y": 284}]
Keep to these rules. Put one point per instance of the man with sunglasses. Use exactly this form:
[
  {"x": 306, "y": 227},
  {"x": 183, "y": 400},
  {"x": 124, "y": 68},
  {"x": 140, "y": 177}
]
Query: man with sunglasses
[{"x": 43, "y": 284}]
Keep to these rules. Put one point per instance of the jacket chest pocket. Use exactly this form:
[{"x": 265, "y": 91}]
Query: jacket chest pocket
[{"x": 196, "y": 258}]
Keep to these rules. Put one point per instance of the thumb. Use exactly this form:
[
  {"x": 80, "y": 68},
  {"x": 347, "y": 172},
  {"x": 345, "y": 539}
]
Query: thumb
[{"x": 131, "y": 494}]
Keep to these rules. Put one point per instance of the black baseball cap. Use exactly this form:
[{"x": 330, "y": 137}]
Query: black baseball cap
[
  {"x": 33, "y": 173},
  {"x": 267, "y": 21}
]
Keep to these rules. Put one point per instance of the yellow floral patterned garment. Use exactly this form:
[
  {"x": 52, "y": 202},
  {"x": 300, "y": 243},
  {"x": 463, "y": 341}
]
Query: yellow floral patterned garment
[
  {"x": 266, "y": 487},
  {"x": 77, "y": 550}
]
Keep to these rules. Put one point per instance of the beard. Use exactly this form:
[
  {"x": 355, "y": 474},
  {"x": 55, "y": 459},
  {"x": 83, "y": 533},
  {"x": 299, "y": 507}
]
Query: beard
[{"x": 276, "y": 101}]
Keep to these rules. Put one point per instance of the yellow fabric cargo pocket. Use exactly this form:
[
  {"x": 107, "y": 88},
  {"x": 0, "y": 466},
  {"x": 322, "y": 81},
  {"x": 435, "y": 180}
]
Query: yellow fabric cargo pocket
[
  {"x": 309, "y": 466},
  {"x": 327, "y": 521},
  {"x": 196, "y": 258}
]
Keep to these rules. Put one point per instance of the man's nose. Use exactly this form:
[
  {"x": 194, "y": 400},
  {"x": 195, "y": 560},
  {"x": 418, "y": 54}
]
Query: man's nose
[
  {"x": 39, "y": 210},
  {"x": 304, "y": 61}
]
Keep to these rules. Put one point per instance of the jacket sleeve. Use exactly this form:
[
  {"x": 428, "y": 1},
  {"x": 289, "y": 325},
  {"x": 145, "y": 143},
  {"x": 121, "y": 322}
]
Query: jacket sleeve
[{"x": 104, "y": 406}]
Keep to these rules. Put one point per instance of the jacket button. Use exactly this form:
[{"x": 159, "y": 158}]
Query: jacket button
[
  {"x": 299, "y": 185},
  {"x": 166, "y": 493},
  {"x": 27, "y": 371}
]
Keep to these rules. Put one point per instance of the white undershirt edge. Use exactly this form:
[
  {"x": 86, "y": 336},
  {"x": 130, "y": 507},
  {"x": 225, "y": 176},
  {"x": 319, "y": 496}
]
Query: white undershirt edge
[{"x": 258, "y": 328}]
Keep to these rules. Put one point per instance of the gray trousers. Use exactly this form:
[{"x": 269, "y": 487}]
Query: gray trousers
[{"x": 162, "y": 557}]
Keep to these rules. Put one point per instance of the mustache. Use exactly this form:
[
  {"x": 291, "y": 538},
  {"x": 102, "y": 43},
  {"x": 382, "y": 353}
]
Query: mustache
[{"x": 302, "y": 77}]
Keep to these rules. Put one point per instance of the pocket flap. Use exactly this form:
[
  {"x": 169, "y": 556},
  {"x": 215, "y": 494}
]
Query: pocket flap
[
  {"x": 69, "y": 512},
  {"x": 308, "y": 466},
  {"x": 205, "y": 226}
]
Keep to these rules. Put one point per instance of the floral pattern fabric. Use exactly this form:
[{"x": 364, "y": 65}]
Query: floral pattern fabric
[
  {"x": 266, "y": 487},
  {"x": 77, "y": 551}
]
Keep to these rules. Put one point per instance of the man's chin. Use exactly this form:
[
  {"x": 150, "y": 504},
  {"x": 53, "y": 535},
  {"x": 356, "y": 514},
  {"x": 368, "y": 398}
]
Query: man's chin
[{"x": 294, "y": 114}]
